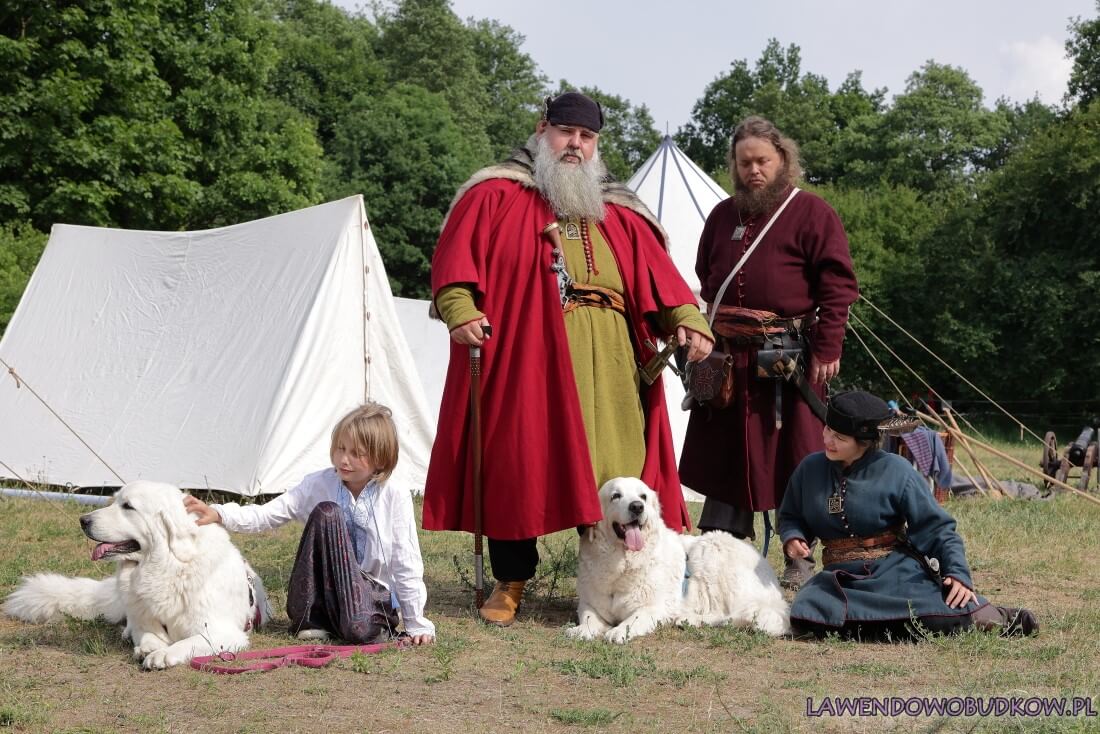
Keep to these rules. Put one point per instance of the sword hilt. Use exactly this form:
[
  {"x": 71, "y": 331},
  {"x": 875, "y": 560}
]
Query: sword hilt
[{"x": 657, "y": 363}]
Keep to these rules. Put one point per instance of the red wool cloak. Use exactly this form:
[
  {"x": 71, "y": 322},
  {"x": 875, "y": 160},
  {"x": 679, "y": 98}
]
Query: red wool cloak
[{"x": 536, "y": 472}]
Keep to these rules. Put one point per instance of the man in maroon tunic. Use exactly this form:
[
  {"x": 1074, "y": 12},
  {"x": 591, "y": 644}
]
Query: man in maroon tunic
[
  {"x": 562, "y": 409},
  {"x": 738, "y": 457}
]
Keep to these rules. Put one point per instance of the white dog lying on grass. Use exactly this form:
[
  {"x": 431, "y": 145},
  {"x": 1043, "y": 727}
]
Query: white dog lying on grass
[
  {"x": 183, "y": 590},
  {"x": 631, "y": 575}
]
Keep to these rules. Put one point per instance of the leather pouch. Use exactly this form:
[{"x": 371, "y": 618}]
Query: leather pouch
[{"x": 710, "y": 381}]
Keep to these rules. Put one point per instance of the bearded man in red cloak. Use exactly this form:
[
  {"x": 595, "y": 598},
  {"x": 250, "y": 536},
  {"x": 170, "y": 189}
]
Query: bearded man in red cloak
[{"x": 563, "y": 407}]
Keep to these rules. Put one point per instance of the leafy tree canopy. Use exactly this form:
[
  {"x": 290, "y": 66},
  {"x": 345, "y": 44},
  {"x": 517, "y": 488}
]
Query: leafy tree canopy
[
  {"x": 1083, "y": 47},
  {"x": 514, "y": 84},
  {"x": 407, "y": 155},
  {"x": 801, "y": 105}
]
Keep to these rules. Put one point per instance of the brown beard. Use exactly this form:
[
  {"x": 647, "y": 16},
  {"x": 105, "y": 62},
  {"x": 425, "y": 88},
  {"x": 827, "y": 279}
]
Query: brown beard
[{"x": 753, "y": 202}]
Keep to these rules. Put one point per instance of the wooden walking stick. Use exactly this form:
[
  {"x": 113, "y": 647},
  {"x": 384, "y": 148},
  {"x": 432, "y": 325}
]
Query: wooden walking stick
[{"x": 475, "y": 441}]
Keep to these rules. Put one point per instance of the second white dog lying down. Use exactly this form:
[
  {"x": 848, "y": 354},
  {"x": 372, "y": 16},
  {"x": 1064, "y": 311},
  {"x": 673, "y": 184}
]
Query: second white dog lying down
[{"x": 631, "y": 576}]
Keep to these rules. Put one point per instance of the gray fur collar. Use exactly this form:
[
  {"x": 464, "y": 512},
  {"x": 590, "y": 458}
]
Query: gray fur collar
[{"x": 520, "y": 166}]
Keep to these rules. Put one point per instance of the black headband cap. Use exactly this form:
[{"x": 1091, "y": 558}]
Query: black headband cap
[
  {"x": 857, "y": 414},
  {"x": 574, "y": 108}
]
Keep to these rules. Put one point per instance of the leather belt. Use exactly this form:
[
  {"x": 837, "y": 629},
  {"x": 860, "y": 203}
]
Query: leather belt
[
  {"x": 738, "y": 323},
  {"x": 595, "y": 296},
  {"x": 839, "y": 550}
]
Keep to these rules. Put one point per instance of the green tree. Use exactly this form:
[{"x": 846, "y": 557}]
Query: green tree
[
  {"x": 326, "y": 57},
  {"x": 147, "y": 114},
  {"x": 407, "y": 155},
  {"x": 514, "y": 84},
  {"x": 1007, "y": 278},
  {"x": 800, "y": 105},
  {"x": 1041, "y": 210},
  {"x": 20, "y": 247},
  {"x": 1083, "y": 47},
  {"x": 1021, "y": 122},
  {"x": 84, "y": 137},
  {"x": 725, "y": 101},
  {"x": 936, "y": 134},
  {"x": 253, "y": 154},
  {"x": 888, "y": 228},
  {"x": 424, "y": 43}
]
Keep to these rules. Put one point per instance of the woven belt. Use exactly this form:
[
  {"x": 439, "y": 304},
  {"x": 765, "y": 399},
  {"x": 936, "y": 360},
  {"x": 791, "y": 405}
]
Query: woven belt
[
  {"x": 594, "y": 296},
  {"x": 870, "y": 548},
  {"x": 751, "y": 326}
]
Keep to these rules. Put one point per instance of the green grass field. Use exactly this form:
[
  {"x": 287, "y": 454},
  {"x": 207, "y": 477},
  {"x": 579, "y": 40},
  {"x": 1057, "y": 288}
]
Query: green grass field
[{"x": 77, "y": 676}]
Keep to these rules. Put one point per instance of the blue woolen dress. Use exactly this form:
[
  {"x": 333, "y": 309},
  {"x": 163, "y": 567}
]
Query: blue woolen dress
[{"x": 880, "y": 491}]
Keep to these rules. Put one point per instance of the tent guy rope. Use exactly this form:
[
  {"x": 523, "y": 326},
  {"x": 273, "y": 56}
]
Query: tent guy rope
[
  {"x": 21, "y": 382},
  {"x": 952, "y": 369},
  {"x": 986, "y": 475},
  {"x": 856, "y": 319}
]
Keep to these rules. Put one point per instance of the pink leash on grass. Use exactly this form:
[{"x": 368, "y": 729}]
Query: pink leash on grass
[{"x": 306, "y": 656}]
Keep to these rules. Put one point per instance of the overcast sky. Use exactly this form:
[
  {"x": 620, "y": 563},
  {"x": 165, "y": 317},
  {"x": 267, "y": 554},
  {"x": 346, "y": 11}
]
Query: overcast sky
[{"x": 663, "y": 54}]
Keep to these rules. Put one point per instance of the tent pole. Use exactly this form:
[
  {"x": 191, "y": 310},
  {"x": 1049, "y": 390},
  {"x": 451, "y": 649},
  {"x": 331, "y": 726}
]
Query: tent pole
[{"x": 364, "y": 225}]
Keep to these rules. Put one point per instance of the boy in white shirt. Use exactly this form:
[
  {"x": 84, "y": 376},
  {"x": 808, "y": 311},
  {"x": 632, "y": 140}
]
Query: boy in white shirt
[{"x": 359, "y": 548}]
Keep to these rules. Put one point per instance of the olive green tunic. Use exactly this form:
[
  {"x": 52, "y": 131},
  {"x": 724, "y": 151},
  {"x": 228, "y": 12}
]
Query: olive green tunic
[{"x": 604, "y": 363}]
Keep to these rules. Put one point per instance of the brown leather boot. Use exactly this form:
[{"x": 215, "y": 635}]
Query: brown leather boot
[
  {"x": 1008, "y": 621},
  {"x": 500, "y": 608}
]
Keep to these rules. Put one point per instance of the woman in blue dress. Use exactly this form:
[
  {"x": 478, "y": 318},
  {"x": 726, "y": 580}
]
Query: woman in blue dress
[{"x": 894, "y": 565}]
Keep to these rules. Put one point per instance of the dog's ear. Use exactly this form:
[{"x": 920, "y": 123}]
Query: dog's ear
[{"x": 182, "y": 536}]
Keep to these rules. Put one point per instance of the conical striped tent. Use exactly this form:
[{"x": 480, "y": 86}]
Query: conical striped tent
[{"x": 681, "y": 195}]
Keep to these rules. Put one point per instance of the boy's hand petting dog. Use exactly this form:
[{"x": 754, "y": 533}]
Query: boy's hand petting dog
[{"x": 206, "y": 514}]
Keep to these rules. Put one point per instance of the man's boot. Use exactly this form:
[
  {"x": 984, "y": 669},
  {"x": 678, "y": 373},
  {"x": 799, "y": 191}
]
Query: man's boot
[
  {"x": 1007, "y": 621},
  {"x": 500, "y": 608},
  {"x": 797, "y": 571}
]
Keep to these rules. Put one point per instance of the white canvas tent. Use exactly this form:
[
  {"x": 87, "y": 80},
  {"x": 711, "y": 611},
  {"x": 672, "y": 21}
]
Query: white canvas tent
[
  {"x": 219, "y": 358},
  {"x": 430, "y": 345},
  {"x": 681, "y": 195}
]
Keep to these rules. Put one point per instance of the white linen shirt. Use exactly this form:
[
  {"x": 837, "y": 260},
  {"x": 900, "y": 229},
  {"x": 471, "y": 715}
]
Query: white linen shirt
[{"x": 393, "y": 551}]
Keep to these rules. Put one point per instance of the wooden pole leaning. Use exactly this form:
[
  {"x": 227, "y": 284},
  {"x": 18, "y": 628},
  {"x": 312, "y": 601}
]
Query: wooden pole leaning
[
  {"x": 1016, "y": 462},
  {"x": 952, "y": 428},
  {"x": 969, "y": 474},
  {"x": 995, "y": 488},
  {"x": 961, "y": 465}
]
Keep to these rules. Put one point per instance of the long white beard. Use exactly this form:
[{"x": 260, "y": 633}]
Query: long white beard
[{"x": 573, "y": 190}]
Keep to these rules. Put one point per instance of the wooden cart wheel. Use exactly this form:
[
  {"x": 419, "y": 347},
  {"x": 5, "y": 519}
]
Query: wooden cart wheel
[
  {"x": 1050, "y": 459},
  {"x": 1063, "y": 471},
  {"x": 1087, "y": 465}
]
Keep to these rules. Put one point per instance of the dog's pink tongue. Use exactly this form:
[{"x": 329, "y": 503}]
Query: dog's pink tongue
[
  {"x": 101, "y": 550},
  {"x": 634, "y": 539}
]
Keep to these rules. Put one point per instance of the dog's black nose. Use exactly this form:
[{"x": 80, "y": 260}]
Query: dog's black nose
[{"x": 636, "y": 508}]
